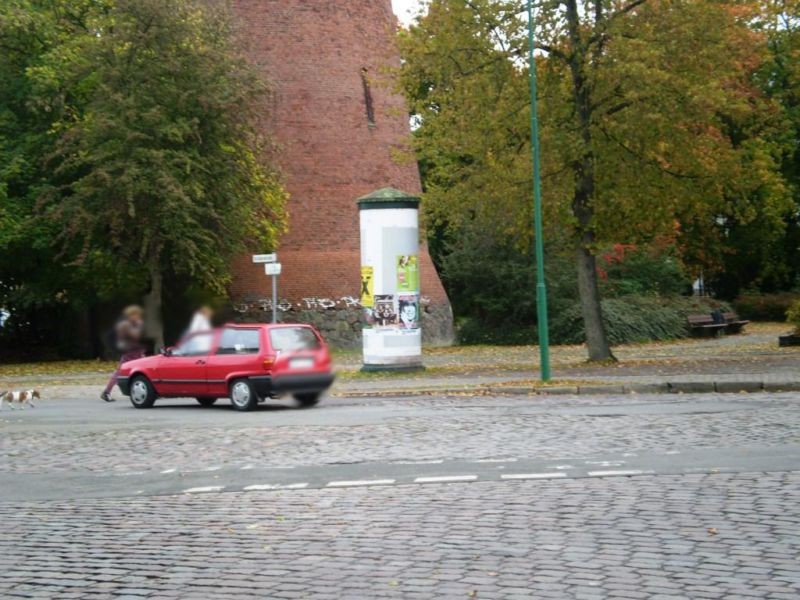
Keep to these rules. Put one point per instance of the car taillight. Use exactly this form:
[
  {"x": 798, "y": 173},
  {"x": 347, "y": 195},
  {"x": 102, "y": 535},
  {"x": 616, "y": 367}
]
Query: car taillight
[{"x": 269, "y": 361}]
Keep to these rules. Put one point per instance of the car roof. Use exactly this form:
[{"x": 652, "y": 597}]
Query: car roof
[{"x": 264, "y": 325}]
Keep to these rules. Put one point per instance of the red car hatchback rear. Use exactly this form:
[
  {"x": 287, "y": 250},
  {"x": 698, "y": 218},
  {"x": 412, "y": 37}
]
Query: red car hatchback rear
[{"x": 244, "y": 362}]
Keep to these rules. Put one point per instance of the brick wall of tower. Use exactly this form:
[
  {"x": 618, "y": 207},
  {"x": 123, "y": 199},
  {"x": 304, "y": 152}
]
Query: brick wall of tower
[{"x": 313, "y": 53}]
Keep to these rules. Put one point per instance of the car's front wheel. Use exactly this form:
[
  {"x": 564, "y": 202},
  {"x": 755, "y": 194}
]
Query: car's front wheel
[
  {"x": 143, "y": 394},
  {"x": 307, "y": 400},
  {"x": 243, "y": 396},
  {"x": 206, "y": 401}
]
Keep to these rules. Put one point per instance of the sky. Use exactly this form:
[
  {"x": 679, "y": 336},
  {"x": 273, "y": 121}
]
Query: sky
[{"x": 405, "y": 9}]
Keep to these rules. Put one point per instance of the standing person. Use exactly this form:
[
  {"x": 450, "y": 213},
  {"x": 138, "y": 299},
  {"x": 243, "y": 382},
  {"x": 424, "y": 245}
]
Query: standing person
[
  {"x": 128, "y": 333},
  {"x": 201, "y": 321}
]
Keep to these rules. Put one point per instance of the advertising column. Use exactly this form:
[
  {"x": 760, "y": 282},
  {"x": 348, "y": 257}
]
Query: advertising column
[{"x": 390, "y": 292}]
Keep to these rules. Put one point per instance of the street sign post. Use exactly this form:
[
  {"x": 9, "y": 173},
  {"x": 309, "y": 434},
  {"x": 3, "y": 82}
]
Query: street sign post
[{"x": 272, "y": 268}]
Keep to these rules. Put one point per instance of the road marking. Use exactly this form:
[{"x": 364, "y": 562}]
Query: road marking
[
  {"x": 445, "y": 479},
  {"x": 618, "y": 472},
  {"x": 356, "y": 483},
  {"x": 532, "y": 475},
  {"x": 276, "y": 486},
  {"x": 203, "y": 490},
  {"x": 165, "y": 471}
]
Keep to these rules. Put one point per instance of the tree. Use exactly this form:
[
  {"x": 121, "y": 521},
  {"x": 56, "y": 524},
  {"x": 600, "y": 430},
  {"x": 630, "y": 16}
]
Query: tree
[
  {"x": 637, "y": 103},
  {"x": 157, "y": 162}
]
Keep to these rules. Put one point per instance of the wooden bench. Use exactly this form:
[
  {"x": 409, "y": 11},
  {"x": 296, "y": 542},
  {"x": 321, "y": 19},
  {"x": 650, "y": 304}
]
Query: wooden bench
[
  {"x": 704, "y": 325},
  {"x": 734, "y": 323}
]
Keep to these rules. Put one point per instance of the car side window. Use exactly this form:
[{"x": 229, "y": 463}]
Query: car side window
[
  {"x": 196, "y": 345},
  {"x": 240, "y": 341}
]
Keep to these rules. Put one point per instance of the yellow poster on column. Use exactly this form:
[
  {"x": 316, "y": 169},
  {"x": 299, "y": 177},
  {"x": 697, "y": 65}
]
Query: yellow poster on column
[{"x": 367, "y": 287}]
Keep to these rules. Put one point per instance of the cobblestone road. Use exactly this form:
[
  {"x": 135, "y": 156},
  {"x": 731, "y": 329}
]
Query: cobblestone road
[{"x": 687, "y": 535}]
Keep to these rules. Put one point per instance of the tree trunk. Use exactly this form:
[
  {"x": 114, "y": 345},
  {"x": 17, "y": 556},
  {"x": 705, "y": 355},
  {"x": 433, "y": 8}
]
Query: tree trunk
[
  {"x": 154, "y": 323},
  {"x": 596, "y": 340},
  {"x": 582, "y": 208}
]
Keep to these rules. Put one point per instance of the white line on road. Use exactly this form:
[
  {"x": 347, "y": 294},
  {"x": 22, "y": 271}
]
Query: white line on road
[
  {"x": 276, "y": 486},
  {"x": 532, "y": 475},
  {"x": 202, "y": 490},
  {"x": 618, "y": 472},
  {"x": 445, "y": 479},
  {"x": 356, "y": 483}
]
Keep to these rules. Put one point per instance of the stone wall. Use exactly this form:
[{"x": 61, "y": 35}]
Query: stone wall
[{"x": 341, "y": 322}]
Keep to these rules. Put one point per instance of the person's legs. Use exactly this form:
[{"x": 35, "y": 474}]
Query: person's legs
[{"x": 113, "y": 380}]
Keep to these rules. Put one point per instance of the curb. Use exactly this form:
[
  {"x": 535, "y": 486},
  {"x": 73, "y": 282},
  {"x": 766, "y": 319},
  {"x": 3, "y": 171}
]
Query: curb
[{"x": 667, "y": 387}]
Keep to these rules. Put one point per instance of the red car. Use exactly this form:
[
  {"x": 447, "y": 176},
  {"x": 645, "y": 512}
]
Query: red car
[{"x": 245, "y": 363}]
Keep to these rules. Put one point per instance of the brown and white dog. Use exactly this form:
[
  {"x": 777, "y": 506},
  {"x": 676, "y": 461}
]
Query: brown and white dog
[{"x": 20, "y": 397}]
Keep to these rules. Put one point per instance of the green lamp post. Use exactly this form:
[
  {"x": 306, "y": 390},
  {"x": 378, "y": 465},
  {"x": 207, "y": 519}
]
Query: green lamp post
[{"x": 541, "y": 288}]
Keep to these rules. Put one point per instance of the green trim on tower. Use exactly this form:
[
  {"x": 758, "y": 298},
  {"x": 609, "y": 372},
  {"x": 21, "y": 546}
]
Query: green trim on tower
[{"x": 387, "y": 198}]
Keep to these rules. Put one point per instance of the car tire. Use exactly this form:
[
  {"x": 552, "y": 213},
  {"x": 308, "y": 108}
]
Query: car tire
[
  {"x": 308, "y": 400},
  {"x": 206, "y": 401},
  {"x": 142, "y": 392},
  {"x": 243, "y": 395}
]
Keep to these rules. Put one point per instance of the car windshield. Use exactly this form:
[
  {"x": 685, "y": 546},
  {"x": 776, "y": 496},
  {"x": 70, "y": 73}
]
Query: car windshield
[
  {"x": 291, "y": 339},
  {"x": 197, "y": 344}
]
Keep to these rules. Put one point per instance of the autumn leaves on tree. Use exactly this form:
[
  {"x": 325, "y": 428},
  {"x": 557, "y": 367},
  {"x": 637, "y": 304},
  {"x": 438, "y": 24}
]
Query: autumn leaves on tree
[{"x": 653, "y": 127}]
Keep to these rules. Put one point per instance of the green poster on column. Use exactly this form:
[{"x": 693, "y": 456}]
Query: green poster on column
[{"x": 407, "y": 273}]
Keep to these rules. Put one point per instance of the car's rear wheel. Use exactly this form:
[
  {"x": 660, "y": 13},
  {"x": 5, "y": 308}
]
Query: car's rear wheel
[
  {"x": 143, "y": 394},
  {"x": 307, "y": 400},
  {"x": 206, "y": 401},
  {"x": 243, "y": 396}
]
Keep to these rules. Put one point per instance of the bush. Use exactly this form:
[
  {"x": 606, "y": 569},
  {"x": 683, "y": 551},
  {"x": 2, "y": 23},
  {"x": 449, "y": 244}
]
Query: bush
[
  {"x": 634, "y": 319},
  {"x": 472, "y": 331},
  {"x": 627, "y": 270},
  {"x": 765, "y": 307},
  {"x": 793, "y": 316}
]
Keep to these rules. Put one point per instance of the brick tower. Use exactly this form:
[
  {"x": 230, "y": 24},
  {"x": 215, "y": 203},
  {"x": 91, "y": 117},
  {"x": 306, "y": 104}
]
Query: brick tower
[{"x": 342, "y": 131}]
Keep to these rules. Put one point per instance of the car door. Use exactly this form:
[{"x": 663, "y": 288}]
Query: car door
[
  {"x": 183, "y": 371},
  {"x": 238, "y": 354}
]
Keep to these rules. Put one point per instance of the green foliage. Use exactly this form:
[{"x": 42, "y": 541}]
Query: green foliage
[
  {"x": 129, "y": 151},
  {"x": 161, "y": 165},
  {"x": 793, "y": 316},
  {"x": 765, "y": 307},
  {"x": 654, "y": 129},
  {"x": 630, "y": 319},
  {"x": 629, "y": 270}
]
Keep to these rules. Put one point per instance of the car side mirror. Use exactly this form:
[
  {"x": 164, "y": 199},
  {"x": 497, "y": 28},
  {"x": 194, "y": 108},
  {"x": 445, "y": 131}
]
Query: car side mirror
[{"x": 167, "y": 351}]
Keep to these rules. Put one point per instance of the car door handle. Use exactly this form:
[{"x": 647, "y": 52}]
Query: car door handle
[{"x": 200, "y": 362}]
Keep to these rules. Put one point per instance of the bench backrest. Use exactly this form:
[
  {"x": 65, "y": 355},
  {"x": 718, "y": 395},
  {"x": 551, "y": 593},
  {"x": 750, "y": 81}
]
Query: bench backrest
[
  {"x": 700, "y": 320},
  {"x": 730, "y": 317}
]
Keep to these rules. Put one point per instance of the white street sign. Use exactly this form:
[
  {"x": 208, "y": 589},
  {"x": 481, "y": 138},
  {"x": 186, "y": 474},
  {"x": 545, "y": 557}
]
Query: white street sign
[
  {"x": 272, "y": 268},
  {"x": 265, "y": 258}
]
